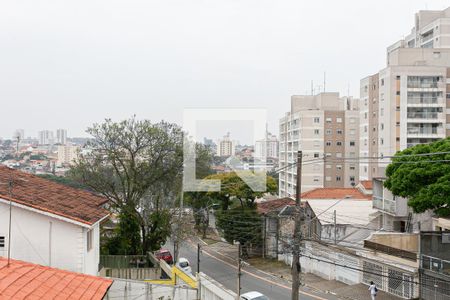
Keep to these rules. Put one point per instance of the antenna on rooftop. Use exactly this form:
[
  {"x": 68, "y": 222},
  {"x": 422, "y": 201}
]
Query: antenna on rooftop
[
  {"x": 324, "y": 81},
  {"x": 312, "y": 88}
]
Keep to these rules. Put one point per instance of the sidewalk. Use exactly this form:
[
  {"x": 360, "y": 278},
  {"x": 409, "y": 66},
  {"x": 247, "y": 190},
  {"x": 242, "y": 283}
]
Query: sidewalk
[{"x": 281, "y": 270}]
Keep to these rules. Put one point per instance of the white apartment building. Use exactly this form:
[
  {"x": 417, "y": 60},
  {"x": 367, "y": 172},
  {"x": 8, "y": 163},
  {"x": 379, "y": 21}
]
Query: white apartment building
[
  {"x": 326, "y": 128},
  {"x": 45, "y": 137},
  {"x": 407, "y": 103},
  {"x": 226, "y": 146},
  {"x": 67, "y": 154},
  {"x": 267, "y": 148},
  {"x": 61, "y": 136}
]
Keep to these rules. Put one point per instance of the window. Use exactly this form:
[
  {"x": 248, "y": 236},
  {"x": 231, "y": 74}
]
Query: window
[
  {"x": 398, "y": 77},
  {"x": 2, "y": 241},
  {"x": 316, "y": 131},
  {"x": 382, "y": 126},
  {"x": 338, "y": 120},
  {"x": 352, "y": 178},
  {"x": 316, "y": 120},
  {"x": 327, "y": 166},
  {"x": 338, "y": 167},
  {"x": 352, "y": 167},
  {"x": 316, "y": 143},
  {"x": 339, "y": 131},
  {"x": 328, "y": 120},
  {"x": 328, "y": 131},
  {"x": 338, "y": 143},
  {"x": 365, "y": 128},
  {"x": 365, "y": 142},
  {"x": 328, "y": 178},
  {"x": 352, "y": 143},
  {"x": 338, "y": 178},
  {"x": 397, "y": 139},
  {"x": 316, "y": 155},
  {"x": 327, "y": 154},
  {"x": 398, "y": 93},
  {"x": 89, "y": 240},
  {"x": 338, "y": 155},
  {"x": 382, "y": 112},
  {"x": 381, "y": 141},
  {"x": 382, "y": 81},
  {"x": 365, "y": 115},
  {"x": 328, "y": 143},
  {"x": 316, "y": 179},
  {"x": 352, "y": 131}
]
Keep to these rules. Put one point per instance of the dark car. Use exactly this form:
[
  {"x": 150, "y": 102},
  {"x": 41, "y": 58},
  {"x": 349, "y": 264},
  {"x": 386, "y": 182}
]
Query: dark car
[{"x": 165, "y": 255}]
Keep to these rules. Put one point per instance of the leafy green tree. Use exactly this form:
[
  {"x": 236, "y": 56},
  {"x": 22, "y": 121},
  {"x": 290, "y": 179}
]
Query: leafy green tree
[
  {"x": 238, "y": 217},
  {"x": 64, "y": 180},
  {"x": 423, "y": 178},
  {"x": 137, "y": 166}
]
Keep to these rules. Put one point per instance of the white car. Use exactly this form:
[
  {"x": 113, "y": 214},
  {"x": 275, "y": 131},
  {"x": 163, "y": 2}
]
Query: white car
[
  {"x": 184, "y": 265},
  {"x": 253, "y": 296}
]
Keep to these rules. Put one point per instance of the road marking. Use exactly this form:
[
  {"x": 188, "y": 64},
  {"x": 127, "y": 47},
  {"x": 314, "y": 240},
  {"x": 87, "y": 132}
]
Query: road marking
[{"x": 259, "y": 277}]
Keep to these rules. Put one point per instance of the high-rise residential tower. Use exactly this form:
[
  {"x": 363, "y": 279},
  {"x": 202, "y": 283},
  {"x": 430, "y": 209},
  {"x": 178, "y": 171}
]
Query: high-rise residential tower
[
  {"x": 326, "y": 128},
  {"x": 61, "y": 136},
  {"x": 407, "y": 103}
]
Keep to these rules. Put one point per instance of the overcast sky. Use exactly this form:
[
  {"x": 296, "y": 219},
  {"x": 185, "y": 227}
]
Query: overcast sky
[{"x": 68, "y": 64}]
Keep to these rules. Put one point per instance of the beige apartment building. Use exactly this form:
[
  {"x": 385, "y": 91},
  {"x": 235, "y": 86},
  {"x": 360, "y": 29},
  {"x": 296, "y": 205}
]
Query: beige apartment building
[
  {"x": 226, "y": 146},
  {"x": 408, "y": 102},
  {"x": 326, "y": 128},
  {"x": 67, "y": 154}
]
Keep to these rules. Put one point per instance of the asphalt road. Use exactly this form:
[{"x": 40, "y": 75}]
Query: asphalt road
[{"x": 225, "y": 272}]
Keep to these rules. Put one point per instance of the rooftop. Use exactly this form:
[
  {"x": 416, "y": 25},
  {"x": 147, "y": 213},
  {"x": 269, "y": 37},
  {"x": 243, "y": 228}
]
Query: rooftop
[
  {"x": 367, "y": 184},
  {"x": 51, "y": 197},
  {"x": 22, "y": 280},
  {"x": 335, "y": 193},
  {"x": 274, "y": 205}
]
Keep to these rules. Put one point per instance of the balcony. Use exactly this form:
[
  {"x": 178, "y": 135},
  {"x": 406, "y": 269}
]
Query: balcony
[
  {"x": 424, "y": 132},
  {"x": 397, "y": 207}
]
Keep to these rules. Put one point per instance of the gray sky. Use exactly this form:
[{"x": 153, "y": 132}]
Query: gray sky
[{"x": 67, "y": 64}]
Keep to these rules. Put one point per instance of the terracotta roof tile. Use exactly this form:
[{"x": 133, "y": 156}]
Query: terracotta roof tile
[
  {"x": 52, "y": 197},
  {"x": 367, "y": 184},
  {"x": 272, "y": 205},
  {"x": 335, "y": 193},
  {"x": 23, "y": 280}
]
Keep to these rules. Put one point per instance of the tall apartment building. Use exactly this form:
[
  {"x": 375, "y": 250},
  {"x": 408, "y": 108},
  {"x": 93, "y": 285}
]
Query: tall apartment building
[
  {"x": 45, "y": 137},
  {"x": 67, "y": 154},
  {"x": 407, "y": 103},
  {"x": 226, "y": 146},
  {"x": 267, "y": 147},
  {"x": 61, "y": 136},
  {"x": 326, "y": 128}
]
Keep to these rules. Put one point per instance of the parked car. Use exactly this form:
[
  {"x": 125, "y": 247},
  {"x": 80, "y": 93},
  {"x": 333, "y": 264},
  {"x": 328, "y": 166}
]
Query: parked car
[
  {"x": 253, "y": 296},
  {"x": 165, "y": 255},
  {"x": 184, "y": 265}
]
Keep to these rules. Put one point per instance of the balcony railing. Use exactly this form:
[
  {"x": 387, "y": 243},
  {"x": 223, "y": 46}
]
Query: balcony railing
[
  {"x": 423, "y": 131},
  {"x": 435, "y": 264},
  {"x": 384, "y": 204},
  {"x": 423, "y": 115},
  {"x": 418, "y": 100}
]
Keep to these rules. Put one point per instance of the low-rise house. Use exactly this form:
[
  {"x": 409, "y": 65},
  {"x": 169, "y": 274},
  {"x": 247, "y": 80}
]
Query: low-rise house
[
  {"x": 278, "y": 225},
  {"x": 51, "y": 224},
  {"x": 24, "y": 280},
  {"x": 394, "y": 213},
  {"x": 345, "y": 214}
]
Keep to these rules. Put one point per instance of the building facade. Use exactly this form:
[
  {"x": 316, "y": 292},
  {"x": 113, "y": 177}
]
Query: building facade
[
  {"x": 45, "y": 137},
  {"x": 226, "y": 146},
  {"x": 61, "y": 136},
  {"x": 407, "y": 103},
  {"x": 267, "y": 148},
  {"x": 326, "y": 128},
  {"x": 67, "y": 154}
]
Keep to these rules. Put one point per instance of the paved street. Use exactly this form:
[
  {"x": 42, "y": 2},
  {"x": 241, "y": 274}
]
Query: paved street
[{"x": 224, "y": 271}]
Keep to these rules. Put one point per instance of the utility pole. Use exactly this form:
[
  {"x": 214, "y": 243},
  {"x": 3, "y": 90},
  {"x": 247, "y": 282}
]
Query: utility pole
[
  {"x": 239, "y": 272},
  {"x": 296, "y": 266},
  {"x": 198, "y": 258},
  {"x": 335, "y": 229}
]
